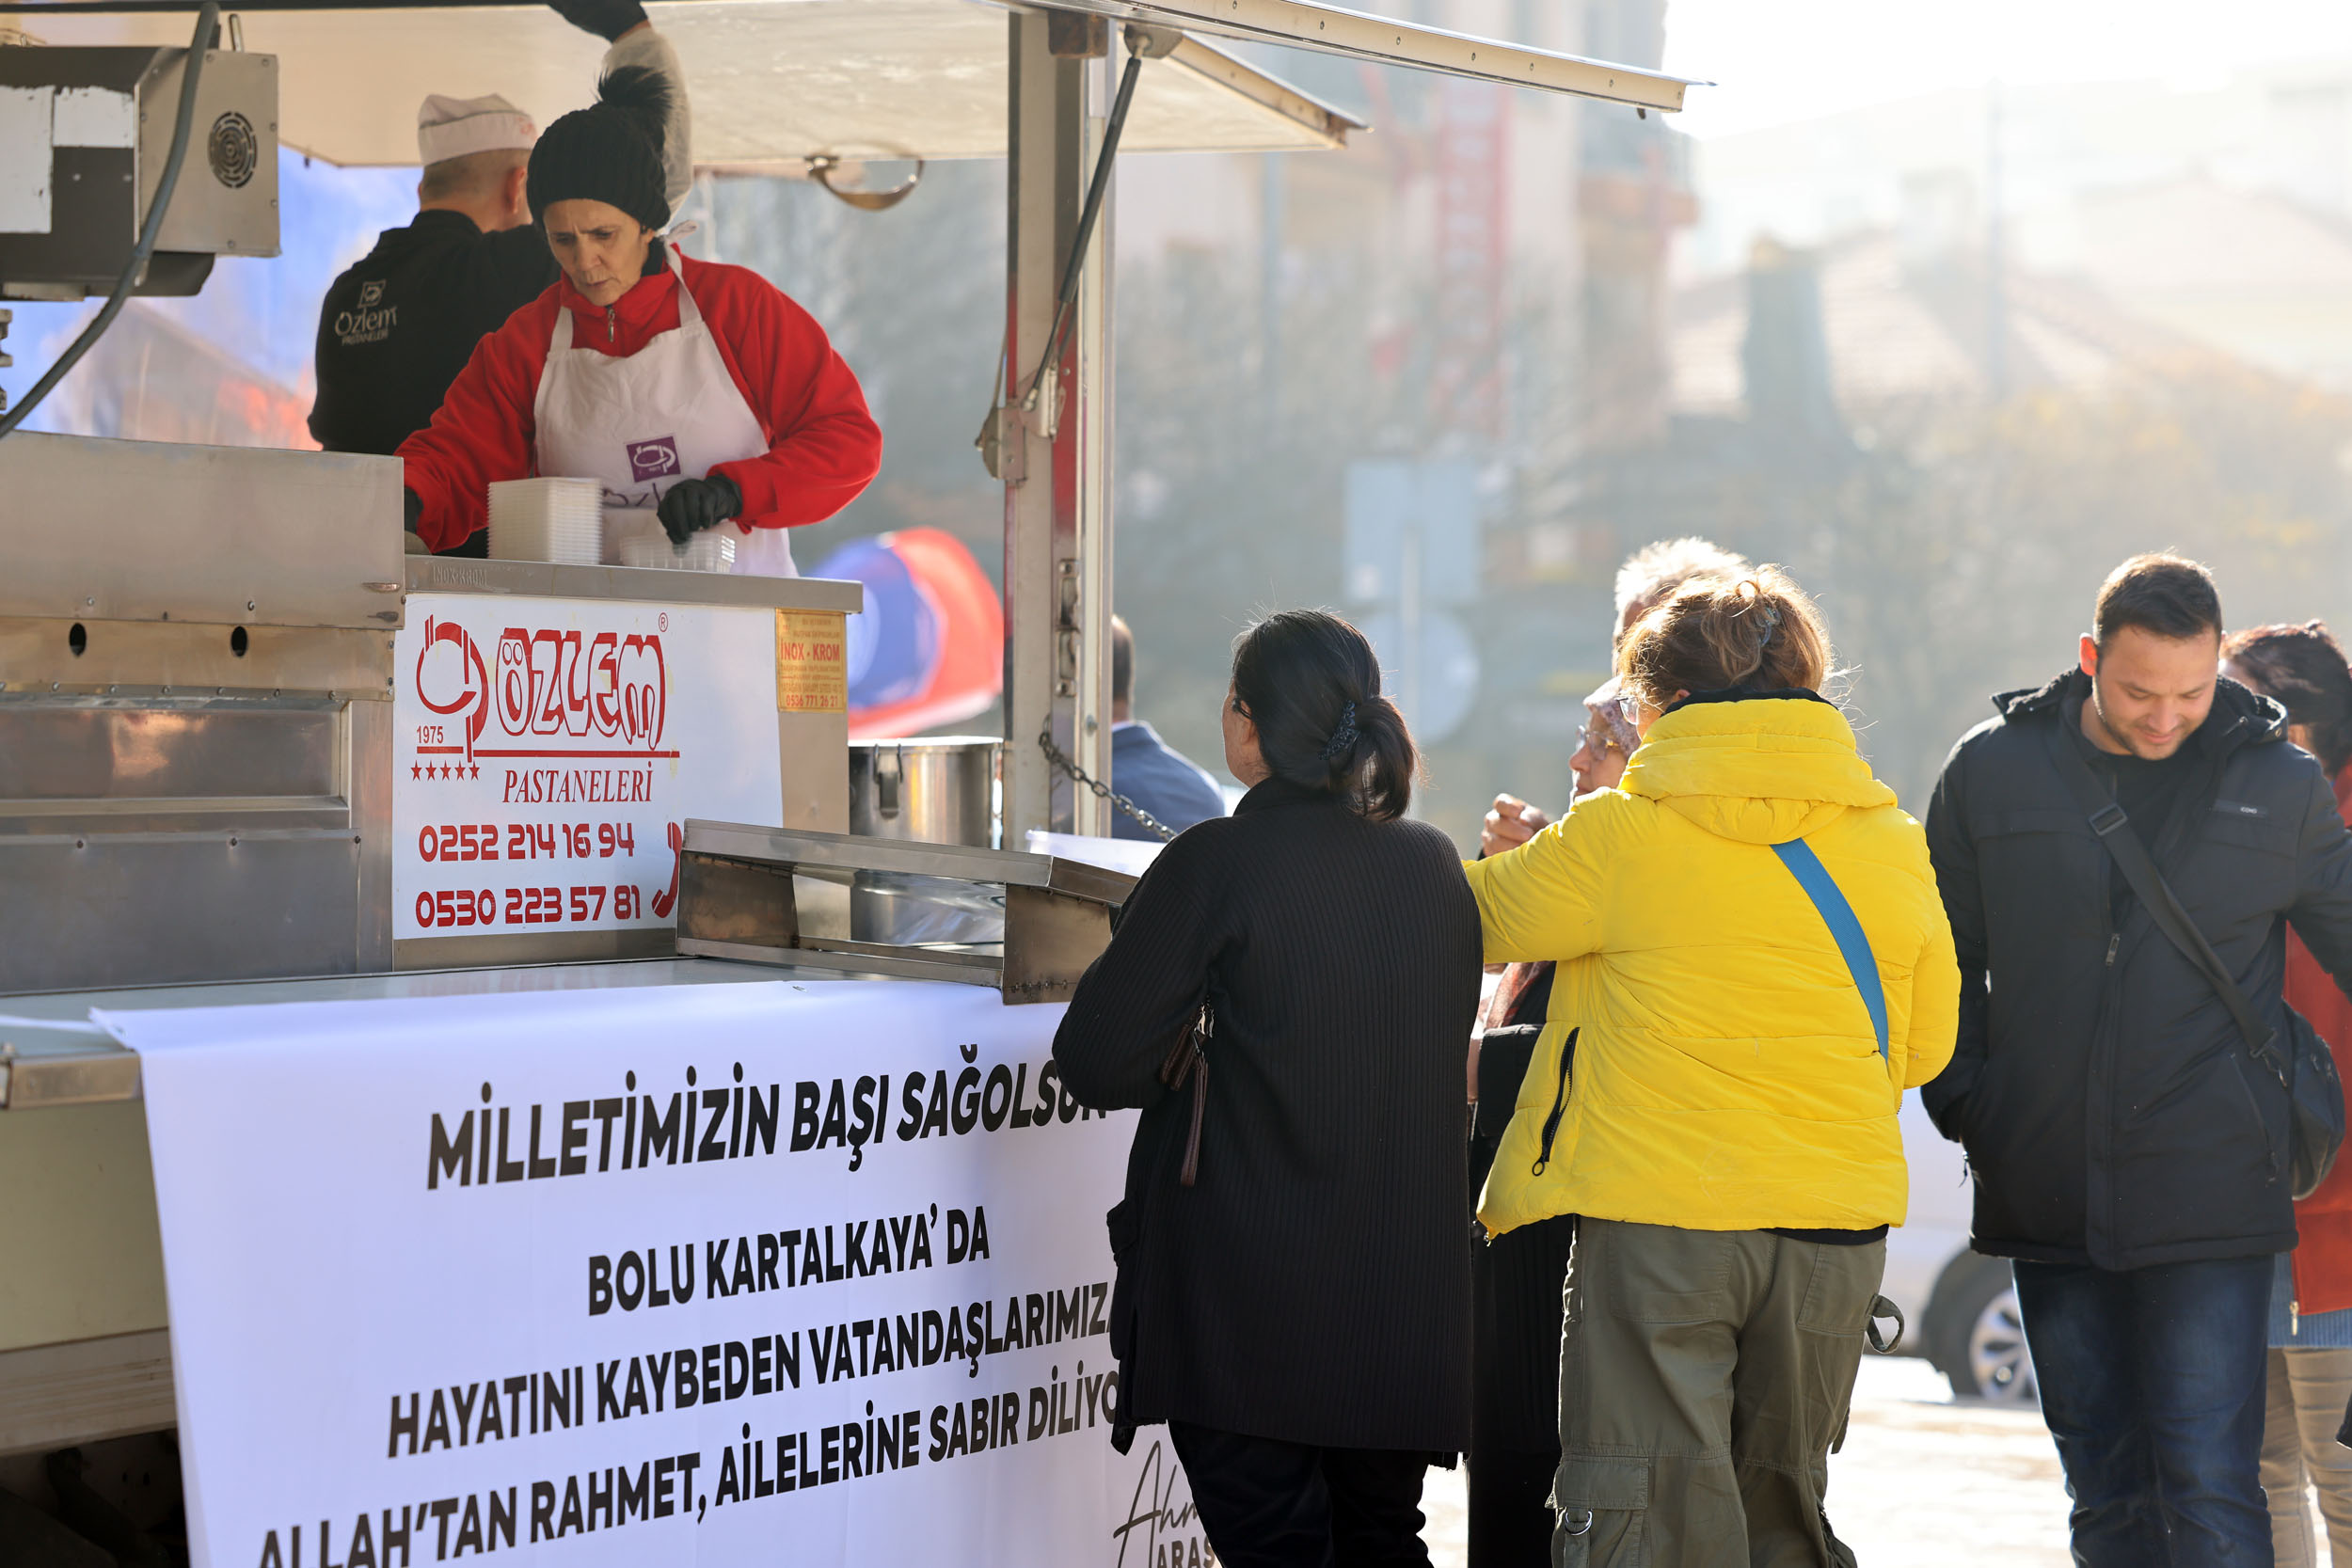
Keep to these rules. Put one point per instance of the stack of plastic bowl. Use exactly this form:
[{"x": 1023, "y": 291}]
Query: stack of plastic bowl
[
  {"x": 547, "y": 519},
  {"x": 711, "y": 551},
  {"x": 624, "y": 523}
]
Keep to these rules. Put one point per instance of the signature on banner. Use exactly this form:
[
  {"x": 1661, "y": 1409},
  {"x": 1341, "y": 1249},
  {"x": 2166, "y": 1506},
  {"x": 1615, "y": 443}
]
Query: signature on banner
[
  {"x": 1160, "y": 1532},
  {"x": 555, "y": 693}
]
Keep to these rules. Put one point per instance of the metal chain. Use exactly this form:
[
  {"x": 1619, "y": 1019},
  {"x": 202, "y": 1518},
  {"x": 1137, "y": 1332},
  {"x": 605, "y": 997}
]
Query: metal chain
[{"x": 1062, "y": 760}]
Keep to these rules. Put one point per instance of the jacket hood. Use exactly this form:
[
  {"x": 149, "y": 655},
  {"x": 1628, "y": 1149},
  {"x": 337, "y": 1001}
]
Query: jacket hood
[
  {"x": 2245, "y": 718},
  {"x": 1761, "y": 770}
]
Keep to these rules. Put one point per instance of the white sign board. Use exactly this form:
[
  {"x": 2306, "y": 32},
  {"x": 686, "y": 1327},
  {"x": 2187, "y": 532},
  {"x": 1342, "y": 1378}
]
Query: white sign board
[
  {"x": 547, "y": 753},
  {"x": 808, "y": 1273}
]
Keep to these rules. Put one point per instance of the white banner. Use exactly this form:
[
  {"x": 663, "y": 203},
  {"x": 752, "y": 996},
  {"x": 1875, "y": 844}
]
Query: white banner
[
  {"x": 547, "y": 753},
  {"x": 777, "y": 1272}
]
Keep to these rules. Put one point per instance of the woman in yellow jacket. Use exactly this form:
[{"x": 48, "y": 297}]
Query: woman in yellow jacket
[{"x": 1754, "y": 965}]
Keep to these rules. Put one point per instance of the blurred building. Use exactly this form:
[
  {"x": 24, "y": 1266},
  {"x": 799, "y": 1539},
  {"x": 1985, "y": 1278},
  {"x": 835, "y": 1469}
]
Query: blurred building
[
  {"x": 2223, "y": 213},
  {"x": 1498, "y": 261}
]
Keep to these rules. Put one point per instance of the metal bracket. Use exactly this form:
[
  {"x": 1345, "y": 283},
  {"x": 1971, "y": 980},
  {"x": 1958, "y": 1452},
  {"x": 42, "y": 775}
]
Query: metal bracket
[
  {"x": 1153, "y": 43},
  {"x": 821, "y": 169},
  {"x": 1045, "y": 402},
  {"x": 1074, "y": 36},
  {"x": 1066, "y": 630},
  {"x": 1003, "y": 446},
  {"x": 736, "y": 901}
]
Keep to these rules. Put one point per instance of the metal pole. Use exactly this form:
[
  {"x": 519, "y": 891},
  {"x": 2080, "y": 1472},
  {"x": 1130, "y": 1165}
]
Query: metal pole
[
  {"x": 1995, "y": 253},
  {"x": 1089, "y": 634},
  {"x": 1056, "y": 491}
]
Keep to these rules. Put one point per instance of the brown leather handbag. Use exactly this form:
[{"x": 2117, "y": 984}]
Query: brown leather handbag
[{"x": 1189, "y": 1061}]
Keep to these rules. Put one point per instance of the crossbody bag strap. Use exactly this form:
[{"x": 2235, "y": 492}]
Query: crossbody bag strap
[
  {"x": 1852, "y": 944},
  {"x": 2113, "y": 826}
]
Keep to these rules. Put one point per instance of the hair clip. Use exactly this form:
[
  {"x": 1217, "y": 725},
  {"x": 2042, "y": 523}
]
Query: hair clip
[{"x": 1342, "y": 737}]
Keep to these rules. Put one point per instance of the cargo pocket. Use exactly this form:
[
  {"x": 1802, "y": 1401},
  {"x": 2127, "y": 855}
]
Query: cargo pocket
[
  {"x": 1842, "y": 1290},
  {"x": 1603, "y": 1510},
  {"x": 1664, "y": 1275}
]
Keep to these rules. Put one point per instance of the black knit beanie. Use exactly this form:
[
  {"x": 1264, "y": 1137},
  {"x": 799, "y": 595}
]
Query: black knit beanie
[{"x": 609, "y": 151}]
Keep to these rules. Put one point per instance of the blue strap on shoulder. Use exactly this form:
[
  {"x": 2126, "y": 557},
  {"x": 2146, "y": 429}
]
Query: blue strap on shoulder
[{"x": 1844, "y": 928}]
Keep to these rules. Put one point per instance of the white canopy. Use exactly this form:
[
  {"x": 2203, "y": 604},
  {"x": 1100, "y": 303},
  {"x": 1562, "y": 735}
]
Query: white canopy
[{"x": 774, "y": 82}]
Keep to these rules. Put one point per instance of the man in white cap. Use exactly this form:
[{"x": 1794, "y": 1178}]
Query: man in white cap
[{"x": 396, "y": 328}]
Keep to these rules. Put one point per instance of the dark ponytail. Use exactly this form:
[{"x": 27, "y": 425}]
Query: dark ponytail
[
  {"x": 2303, "y": 667},
  {"x": 1311, "y": 684}
]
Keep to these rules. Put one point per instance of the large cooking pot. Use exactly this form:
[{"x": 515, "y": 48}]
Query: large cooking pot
[{"x": 941, "y": 789}]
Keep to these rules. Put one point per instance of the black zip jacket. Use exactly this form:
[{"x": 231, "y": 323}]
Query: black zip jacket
[
  {"x": 398, "y": 326},
  {"x": 2109, "y": 1104}
]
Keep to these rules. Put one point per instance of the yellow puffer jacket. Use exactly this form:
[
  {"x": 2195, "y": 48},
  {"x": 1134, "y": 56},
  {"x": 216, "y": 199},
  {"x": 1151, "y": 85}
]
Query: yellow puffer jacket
[{"x": 1727, "y": 1075}]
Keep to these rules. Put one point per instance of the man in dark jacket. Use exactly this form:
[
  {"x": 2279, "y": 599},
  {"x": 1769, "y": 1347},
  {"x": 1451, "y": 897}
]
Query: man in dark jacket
[
  {"x": 2129, "y": 1152},
  {"x": 1172, "y": 787},
  {"x": 397, "y": 327}
]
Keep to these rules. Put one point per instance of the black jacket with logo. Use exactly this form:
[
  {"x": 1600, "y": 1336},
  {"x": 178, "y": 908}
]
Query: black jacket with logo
[
  {"x": 398, "y": 326},
  {"x": 2110, "y": 1109}
]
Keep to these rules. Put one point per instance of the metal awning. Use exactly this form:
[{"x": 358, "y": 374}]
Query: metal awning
[
  {"x": 1386, "y": 40},
  {"x": 774, "y": 82}
]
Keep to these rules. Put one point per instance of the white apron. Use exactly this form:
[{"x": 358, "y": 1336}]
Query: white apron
[{"x": 668, "y": 412}]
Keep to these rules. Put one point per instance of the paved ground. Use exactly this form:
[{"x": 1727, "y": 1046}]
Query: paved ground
[{"x": 1923, "y": 1482}]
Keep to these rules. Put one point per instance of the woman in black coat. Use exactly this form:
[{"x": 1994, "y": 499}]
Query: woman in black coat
[{"x": 1299, "y": 1315}]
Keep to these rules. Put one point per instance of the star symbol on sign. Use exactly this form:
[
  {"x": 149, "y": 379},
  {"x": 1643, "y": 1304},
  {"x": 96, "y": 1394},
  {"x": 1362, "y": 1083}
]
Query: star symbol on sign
[
  {"x": 475, "y": 771},
  {"x": 442, "y": 770},
  {"x": 416, "y": 771}
]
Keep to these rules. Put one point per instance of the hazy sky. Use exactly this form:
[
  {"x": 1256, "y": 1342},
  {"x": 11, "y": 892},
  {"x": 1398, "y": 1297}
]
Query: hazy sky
[{"x": 1779, "y": 60}]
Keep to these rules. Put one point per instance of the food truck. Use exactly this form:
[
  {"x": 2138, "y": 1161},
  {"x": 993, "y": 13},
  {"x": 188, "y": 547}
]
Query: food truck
[{"x": 297, "y": 831}]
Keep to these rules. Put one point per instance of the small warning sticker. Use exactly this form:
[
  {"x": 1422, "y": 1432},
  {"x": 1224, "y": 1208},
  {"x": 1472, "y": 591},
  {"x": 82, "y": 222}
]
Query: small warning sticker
[{"x": 812, "y": 661}]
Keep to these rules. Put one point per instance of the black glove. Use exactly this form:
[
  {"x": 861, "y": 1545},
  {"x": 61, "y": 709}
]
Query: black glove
[
  {"x": 692, "y": 505},
  {"x": 607, "y": 19},
  {"x": 411, "y": 509}
]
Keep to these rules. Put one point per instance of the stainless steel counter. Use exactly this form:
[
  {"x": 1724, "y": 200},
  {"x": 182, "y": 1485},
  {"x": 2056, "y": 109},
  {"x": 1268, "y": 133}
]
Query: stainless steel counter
[
  {"x": 51, "y": 1054},
  {"x": 544, "y": 579}
]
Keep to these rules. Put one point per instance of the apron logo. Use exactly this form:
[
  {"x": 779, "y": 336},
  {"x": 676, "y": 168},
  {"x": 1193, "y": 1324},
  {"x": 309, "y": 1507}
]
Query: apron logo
[
  {"x": 653, "y": 459},
  {"x": 371, "y": 294}
]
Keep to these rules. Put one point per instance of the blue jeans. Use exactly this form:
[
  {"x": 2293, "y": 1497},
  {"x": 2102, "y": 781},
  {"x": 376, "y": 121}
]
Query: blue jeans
[{"x": 2153, "y": 1385}]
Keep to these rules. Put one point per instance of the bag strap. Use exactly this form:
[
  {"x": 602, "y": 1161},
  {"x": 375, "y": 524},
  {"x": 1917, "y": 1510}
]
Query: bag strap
[
  {"x": 2109, "y": 822},
  {"x": 1839, "y": 915}
]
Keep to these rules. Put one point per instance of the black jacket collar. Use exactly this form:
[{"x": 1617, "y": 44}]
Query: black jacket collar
[
  {"x": 2239, "y": 717},
  {"x": 1281, "y": 792}
]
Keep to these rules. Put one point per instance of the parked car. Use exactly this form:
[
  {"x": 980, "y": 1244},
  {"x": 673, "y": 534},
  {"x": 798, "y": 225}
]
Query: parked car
[{"x": 1959, "y": 1308}]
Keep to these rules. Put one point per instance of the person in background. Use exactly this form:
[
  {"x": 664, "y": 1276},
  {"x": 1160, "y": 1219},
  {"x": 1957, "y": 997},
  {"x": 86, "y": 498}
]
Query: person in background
[
  {"x": 1649, "y": 578},
  {"x": 2303, "y": 669},
  {"x": 1292, "y": 1295},
  {"x": 2127, "y": 1151},
  {"x": 397, "y": 325},
  {"x": 688, "y": 386},
  {"x": 1715, "y": 1098},
  {"x": 1164, "y": 782},
  {"x": 1517, "y": 1280}
]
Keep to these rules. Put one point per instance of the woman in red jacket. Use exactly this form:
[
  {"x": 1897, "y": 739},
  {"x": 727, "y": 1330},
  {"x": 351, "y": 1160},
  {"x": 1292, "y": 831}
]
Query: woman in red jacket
[
  {"x": 2311, "y": 1307},
  {"x": 687, "y": 386}
]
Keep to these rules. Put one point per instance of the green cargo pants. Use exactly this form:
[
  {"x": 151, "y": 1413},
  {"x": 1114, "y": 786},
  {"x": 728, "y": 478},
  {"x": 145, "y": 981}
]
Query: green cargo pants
[{"x": 1704, "y": 1376}]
